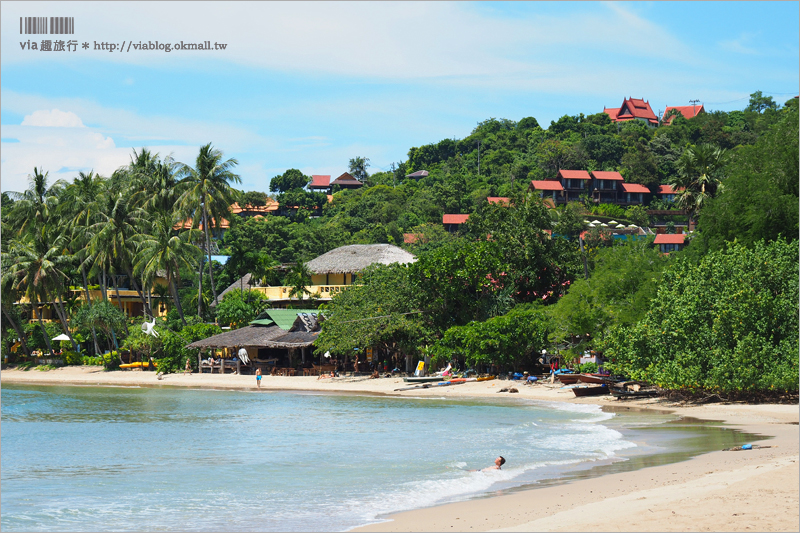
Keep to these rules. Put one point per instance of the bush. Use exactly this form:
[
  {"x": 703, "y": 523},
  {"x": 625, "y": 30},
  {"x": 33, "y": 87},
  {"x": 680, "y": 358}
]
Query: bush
[
  {"x": 588, "y": 368},
  {"x": 175, "y": 352},
  {"x": 72, "y": 358},
  {"x": 727, "y": 324}
]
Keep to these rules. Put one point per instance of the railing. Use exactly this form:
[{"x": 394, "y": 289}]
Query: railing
[{"x": 323, "y": 292}]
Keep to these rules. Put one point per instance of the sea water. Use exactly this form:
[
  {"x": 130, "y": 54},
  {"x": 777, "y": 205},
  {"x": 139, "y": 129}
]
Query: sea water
[{"x": 153, "y": 459}]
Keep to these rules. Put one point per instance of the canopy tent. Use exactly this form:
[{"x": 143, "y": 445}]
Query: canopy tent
[{"x": 62, "y": 337}]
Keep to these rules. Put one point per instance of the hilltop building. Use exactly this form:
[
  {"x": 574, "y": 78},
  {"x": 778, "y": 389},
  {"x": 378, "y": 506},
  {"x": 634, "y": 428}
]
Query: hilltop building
[{"x": 632, "y": 109}]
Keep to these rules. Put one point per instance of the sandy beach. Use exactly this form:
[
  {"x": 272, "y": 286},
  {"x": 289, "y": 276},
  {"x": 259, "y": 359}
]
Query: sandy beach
[{"x": 755, "y": 490}]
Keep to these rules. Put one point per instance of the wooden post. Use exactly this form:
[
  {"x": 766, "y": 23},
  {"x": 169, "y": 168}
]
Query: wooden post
[
  {"x": 238, "y": 365},
  {"x": 199, "y": 359}
]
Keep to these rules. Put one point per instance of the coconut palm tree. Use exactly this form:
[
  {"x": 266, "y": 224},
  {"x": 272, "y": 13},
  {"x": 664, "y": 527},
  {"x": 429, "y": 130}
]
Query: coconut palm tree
[
  {"x": 79, "y": 208},
  {"x": 299, "y": 279},
  {"x": 38, "y": 263},
  {"x": 114, "y": 239},
  {"x": 163, "y": 249},
  {"x": 34, "y": 206},
  {"x": 155, "y": 182},
  {"x": 208, "y": 197},
  {"x": 700, "y": 173}
]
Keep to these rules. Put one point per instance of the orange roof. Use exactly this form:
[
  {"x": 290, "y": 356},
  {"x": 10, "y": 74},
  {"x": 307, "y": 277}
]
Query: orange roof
[
  {"x": 411, "y": 238},
  {"x": 546, "y": 185},
  {"x": 574, "y": 174},
  {"x": 667, "y": 238},
  {"x": 634, "y": 187},
  {"x": 665, "y": 189},
  {"x": 320, "y": 181},
  {"x": 612, "y": 112},
  {"x": 454, "y": 219},
  {"x": 688, "y": 111},
  {"x": 498, "y": 199},
  {"x": 607, "y": 175}
]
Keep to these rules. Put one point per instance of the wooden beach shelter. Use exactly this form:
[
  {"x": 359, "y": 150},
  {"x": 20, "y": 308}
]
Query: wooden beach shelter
[{"x": 288, "y": 329}]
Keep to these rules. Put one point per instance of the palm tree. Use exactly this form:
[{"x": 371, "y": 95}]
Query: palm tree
[
  {"x": 114, "y": 240},
  {"x": 299, "y": 278},
  {"x": 699, "y": 175},
  {"x": 37, "y": 265},
  {"x": 10, "y": 295},
  {"x": 79, "y": 209},
  {"x": 155, "y": 182},
  {"x": 208, "y": 197},
  {"x": 164, "y": 249},
  {"x": 34, "y": 206}
]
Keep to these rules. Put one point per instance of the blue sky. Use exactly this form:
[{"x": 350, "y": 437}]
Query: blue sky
[{"x": 310, "y": 85}]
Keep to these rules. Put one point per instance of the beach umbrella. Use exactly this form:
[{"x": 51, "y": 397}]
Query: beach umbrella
[
  {"x": 596, "y": 222},
  {"x": 604, "y": 225},
  {"x": 613, "y": 222},
  {"x": 62, "y": 337},
  {"x": 620, "y": 226}
]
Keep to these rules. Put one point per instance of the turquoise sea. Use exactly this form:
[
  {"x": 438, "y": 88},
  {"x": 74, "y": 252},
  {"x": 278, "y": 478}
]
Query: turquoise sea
[{"x": 155, "y": 459}]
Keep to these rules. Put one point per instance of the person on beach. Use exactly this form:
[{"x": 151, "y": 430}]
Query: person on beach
[
  {"x": 500, "y": 461},
  {"x": 188, "y": 367},
  {"x": 258, "y": 377}
]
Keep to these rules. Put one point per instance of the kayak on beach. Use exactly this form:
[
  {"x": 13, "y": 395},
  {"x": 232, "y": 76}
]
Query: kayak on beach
[{"x": 136, "y": 365}]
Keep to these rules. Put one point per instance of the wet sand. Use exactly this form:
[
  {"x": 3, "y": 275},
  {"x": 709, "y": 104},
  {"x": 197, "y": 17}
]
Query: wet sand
[{"x": 755, "y": 490}]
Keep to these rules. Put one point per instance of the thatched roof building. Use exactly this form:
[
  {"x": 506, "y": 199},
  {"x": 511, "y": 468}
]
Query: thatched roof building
[{"x": 357, "y": 257}]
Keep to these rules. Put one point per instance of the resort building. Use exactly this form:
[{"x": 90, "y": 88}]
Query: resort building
[
  {"x": 320, "y": 183},
  {"x": 418, "y": 174},
  {"x": 632, "y": 109},
  {"x": 453, "y": 222},
  {"x": 687, "y": 111},
  {"x": 331, "y": 272},
  {"x": 667, "y": 242},
  {"x": 346, "y": 181}
]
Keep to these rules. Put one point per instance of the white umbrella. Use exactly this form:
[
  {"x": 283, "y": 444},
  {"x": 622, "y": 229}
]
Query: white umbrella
[
  {"x": 613, "y": 222},
  {"x": 620, "y": 226},
  {"x": 62, "y": 337},
  {"x": 604, "y": 225},
  {"x": 596, "y": 222}
]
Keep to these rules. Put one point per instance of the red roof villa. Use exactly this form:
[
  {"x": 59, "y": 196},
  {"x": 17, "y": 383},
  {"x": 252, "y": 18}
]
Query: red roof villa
[
  {"x": 452, "y": 222},
  {"x": 346, "y": 181},
  {"x": 688, "y": 111},
  {"x": 320, "y": 183},
  {"x": 670, "y": 242},
  {"x": 633, "y": 109}
]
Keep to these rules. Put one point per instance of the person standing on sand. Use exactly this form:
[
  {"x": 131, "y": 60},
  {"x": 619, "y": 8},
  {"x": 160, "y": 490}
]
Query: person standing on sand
[
  {"x": 188, "y": 367},
  {"x": 258, "y": 377}
]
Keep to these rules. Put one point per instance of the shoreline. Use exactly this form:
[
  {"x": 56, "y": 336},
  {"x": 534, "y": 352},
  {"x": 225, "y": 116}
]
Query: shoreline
[{"x": 755, "y": 490}]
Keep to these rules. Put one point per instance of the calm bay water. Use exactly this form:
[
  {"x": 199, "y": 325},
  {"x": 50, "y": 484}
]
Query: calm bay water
[{"x": 121, "y": 459}]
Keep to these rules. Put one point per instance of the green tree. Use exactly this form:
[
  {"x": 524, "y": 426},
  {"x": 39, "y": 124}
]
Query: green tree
[
  {"x": 700, "y": 173},
  {"x": 237, "y": 308},
  {"x": 289, "y": 180},
  {"x": 358, "y": 168},
  {"x": 727, "y": 324},
  {"x": 208, "y": 197},
  {"x": 760, "y": 196},
  {"x": 299, "y": 279},
  {"x": 759, "y": 103}
]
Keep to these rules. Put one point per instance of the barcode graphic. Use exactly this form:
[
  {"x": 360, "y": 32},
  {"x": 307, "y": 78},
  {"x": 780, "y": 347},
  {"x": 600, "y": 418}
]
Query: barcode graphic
[{"x": 39, "y": 25}]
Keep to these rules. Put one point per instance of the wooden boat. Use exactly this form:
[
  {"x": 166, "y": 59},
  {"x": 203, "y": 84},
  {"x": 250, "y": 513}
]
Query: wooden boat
[
  {"x": 425, "y": 379},
  {"x": 593, "y": 378},
  {"x": 590, "y": 391},
  {"x": 568, "y": 379},
  {"x": 634, "y": 394}
]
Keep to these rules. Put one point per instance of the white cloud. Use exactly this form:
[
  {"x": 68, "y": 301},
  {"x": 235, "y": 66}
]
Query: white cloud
[{"x": 53, "y": 119}]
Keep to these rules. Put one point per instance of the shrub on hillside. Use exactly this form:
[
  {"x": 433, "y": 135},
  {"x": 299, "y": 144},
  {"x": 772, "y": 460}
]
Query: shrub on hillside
[{"x": 728, "y": 324}]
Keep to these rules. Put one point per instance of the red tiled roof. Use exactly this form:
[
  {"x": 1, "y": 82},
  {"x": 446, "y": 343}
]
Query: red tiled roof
[
  {"x": 612, "y": 112},
  {"x": 454, "y": 219},
  {"x": 498, "y": 199},
  {"x": 607, "y": 175},
  {"x": 320, "y": 181},
  {"x": 346, "y": 179},
  {"x": 634, "y": 187},
  {"x": 574, "y": 174},
  {"x": 670, "y": 238},
  {"x": 632, "y": 108},
  {"x": 688, "y": 111},
  {"x": 547, "y": 185},
  {"x": 411, "y": 238},
  {"x": 665, "y": 189}
]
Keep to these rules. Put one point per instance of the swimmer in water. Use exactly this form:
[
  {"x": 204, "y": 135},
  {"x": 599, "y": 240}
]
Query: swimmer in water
[{"x": 500, "y": 461}]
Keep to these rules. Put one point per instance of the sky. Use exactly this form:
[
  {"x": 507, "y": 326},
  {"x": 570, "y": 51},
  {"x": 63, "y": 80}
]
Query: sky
[{"x": 310, "y": 85}]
